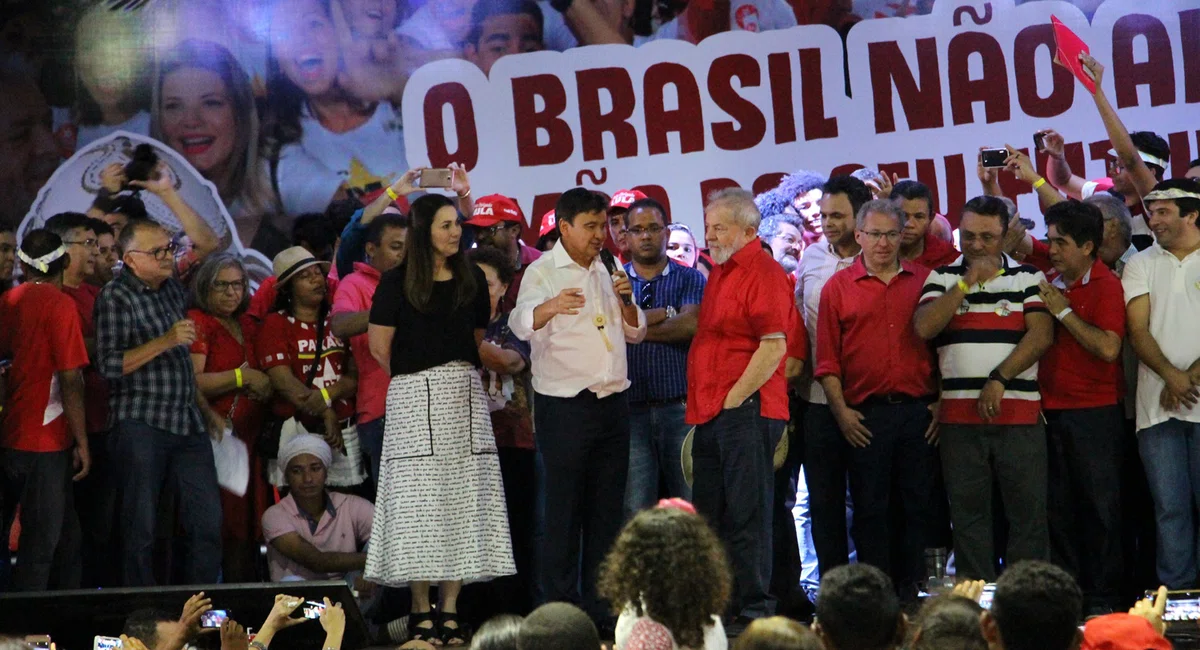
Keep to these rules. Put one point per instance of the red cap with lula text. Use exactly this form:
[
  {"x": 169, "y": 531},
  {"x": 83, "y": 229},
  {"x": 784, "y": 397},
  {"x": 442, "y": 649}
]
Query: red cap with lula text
[
  {"x": 625, "y": 198},
  {"x": 548, "y": 224},
  {"x": 494, "y": 208}
]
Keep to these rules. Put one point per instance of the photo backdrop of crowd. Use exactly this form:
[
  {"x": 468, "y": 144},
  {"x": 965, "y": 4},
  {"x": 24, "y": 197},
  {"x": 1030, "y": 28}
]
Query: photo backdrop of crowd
[{"x": 269, "y": 109}]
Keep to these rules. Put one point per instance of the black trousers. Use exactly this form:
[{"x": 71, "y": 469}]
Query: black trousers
[
  {"x": 584, "y": 445},
  {"x": 897, "y": 467},
  {"x": 1084, "y": 498},
  {"x": 826, "y": 463},
  {"x": 734, "y": 490},
  {"x": 96, "y": 503},
  {"x": 786, "y": 567},
  {"x": 49, "y": 548}
]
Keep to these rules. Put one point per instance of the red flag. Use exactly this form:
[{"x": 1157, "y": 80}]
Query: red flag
[{"x": 1068, "y": 47}]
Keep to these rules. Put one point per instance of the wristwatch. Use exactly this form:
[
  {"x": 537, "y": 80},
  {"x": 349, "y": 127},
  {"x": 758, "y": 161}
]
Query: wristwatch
[
  {"x": 671, "y": 313},
  {"x": 997, "y": 377}
]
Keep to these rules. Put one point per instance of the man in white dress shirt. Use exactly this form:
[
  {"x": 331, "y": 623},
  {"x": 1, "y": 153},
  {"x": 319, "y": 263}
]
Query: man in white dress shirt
[{"x": 571, "y": 311}]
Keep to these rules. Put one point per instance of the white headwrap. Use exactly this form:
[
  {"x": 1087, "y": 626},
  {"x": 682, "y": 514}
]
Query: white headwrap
[
  {"x": 1173, "y": 193},
  {"x": 305, "y": 443},
  {"x": 42, "y": 264},
  {"x": 1148, "y": 158}
]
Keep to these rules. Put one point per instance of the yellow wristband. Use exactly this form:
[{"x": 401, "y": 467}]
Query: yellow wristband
[
  {"x": 962, "y": 284},
  {"x": 237, "y": 374},
  {"x": 1038, "y": 183},
  {"x": 328, "y": 400},
  {"x": 392, "y": 194}
]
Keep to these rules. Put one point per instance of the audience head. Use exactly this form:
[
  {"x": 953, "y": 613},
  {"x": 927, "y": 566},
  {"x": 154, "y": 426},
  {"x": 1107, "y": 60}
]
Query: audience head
[
  {"x": 646, "y": 231},
  {"x": 777, "y": 633},
  {"x": 948, "y": 623},
  {"x": 558, "y": 626},
  {"x": 8, "y": 255},
  {"x": 618, "y": 206},
  {"x": 43, "y": 256},
  {"x": 220, "y": 287},
  {"x": 548, "y": 233},
  {"x": 435, "y": 237},
  {"x": 499, "y": 270},
  {"x": 120, "y": 209},
  {"x": 77, "y": 235},
  {"x": 1122, "y": 632},
  {"x": 386, "y": 235},
  {"x": 916, "y": 202},
  {"x": 312, "y": 231},
  {"x": 1193, "y": 169},
  {"x": 669, "y": 565},
  {"x": 858, "y": 610},
  {"x": 1153, "y": 150},
  {"x": 841, "y": 199},
  {"x": 299, "y": 280},
  {"x": 731, "y": 221},
  {"x": 784, "y": 234},
  {"x": 1037, "y": 606},
  {"x": 803, "y": 191},
  {"x": 879, "y": 228},
  {"x": 1075, "y": 231},
  {"x": 498, "y": 633},
  {"x": 147, "y": 251},
  {"x": 1118, "y": 226},
  {"x": 582, "y": 218},
  {"x": 982, "y": 227},
  {"x": 503, "y": 27},
  {"x": 1173, "y": 210},
  {"x": 106, "y": 243},
  {"x": 498, "y": 221},
  {"x": 304, "y": 461},
  {"x": 681, "y": 245},
  {"x": 147, "y": 625}
]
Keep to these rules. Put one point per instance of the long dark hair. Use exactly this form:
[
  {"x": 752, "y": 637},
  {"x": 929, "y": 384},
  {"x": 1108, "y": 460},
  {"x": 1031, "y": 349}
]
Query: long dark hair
[{"x": 418, "y": 257}]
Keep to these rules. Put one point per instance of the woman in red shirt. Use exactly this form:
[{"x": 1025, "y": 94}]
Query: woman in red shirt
[
  {"x": 227, "y": 373},
  {"x": 314, "y": 381}
]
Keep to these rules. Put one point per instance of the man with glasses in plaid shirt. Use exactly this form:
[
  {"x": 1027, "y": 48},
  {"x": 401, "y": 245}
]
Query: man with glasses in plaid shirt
[
  {"x": 158, "y": 418},
  {"x": 669, "y": 293}
]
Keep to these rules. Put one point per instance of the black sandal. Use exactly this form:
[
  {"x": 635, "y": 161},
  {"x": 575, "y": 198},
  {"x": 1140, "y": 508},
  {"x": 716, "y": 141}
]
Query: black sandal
[
  {"x": 453, "y": 637},
  {"x": 426, "y": 634}
]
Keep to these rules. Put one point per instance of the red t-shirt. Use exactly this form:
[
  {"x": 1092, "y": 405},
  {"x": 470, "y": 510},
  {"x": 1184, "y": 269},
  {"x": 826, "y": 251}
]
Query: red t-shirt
[
  {"x": 938, "y": 252},
  {"x": 40, "y": 332},
  {"x": 284, "y": 341},
  {"x": 1069, "y": 376},
  {"x": 222, "y": 353},
  {"x": 745, "y": 299},
  {"x": 95, "y": 388},
  {"x": 865, "y": 334}
]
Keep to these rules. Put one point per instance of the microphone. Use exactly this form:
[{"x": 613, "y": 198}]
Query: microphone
[{"x": 610, "y": 263}]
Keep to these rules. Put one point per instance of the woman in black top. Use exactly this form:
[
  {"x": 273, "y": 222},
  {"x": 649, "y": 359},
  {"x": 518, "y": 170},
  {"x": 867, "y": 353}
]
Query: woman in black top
[{"x": 439, "y": 514}]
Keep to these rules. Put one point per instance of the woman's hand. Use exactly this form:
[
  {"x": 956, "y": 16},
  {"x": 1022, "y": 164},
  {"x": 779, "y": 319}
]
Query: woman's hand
[
  {"x": 257, "y": 384},
  {"x": 459, "y": 181},
  {"x": 333, "y": 432}
]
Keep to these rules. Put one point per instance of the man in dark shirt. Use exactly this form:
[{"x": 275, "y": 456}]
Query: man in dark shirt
[{"x": 157, "y": 417}]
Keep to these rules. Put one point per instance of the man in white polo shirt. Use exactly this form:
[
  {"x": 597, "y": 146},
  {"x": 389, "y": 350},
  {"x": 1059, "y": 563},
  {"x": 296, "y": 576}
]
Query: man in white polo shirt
[{"x": 1162, "y": 298}]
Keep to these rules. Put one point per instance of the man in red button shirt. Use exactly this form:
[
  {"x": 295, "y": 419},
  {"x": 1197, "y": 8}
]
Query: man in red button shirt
[
  {"x": 878, "y": 376},
  {"x": 1080, "y": 380},
  {"x": 919, "y": 244},
  {"x": 736, "y": 395}
]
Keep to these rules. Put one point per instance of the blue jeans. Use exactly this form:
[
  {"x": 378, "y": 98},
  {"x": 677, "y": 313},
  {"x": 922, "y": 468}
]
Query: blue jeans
[
  {"x": 1171, "y": 453},
  {"x": 149, "y": 457},
  {"x": 656, "y": 435}
]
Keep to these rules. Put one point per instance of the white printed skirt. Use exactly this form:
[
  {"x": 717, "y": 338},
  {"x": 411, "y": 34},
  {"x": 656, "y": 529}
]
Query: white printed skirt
[{"x": 439, "y": 509}]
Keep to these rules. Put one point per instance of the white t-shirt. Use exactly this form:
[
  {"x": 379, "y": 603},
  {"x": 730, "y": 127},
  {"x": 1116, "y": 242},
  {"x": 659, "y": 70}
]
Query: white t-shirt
[
  {"x": 645, "y": 633},
  {"x": 85, "y": 135},
  {"x": 1174, "y": 288},
  {"x": 424, "y": 28},
  {"x": 305, "y": 185},
  {"x": 750, "y": 16}
]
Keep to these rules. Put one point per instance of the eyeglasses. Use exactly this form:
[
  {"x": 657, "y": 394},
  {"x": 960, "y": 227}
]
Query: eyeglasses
[
  {"x": 220, "y": 286},
  {"x": 646, "y": 300},
  {"x": 874, "y": 236},
  {"x": 86, "y": 243},
  {"x": 654, "y": 230},
  {"x": 161, "y": 253}
]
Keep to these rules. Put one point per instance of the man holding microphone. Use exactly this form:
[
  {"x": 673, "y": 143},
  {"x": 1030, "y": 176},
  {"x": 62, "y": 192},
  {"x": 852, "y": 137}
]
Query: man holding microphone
[{"x": 578, "y": 317}]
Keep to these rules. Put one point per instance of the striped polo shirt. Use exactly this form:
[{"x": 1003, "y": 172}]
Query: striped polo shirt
[
  {"x": 989, "y": 324},
  {"x": 658, "y": 371}
]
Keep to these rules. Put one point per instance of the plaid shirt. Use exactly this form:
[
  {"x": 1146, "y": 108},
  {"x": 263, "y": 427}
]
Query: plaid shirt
[
  {"x": 658, "y": 371},
  {"x": 161, "y": 393}
]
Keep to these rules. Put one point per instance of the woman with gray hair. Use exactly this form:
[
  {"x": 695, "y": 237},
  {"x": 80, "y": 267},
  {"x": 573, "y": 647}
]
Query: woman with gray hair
[{"x": 227, "y": 374}]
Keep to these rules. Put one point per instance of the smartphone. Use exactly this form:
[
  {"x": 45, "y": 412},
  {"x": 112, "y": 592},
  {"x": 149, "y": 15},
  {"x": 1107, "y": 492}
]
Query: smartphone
[
  {"x": 436, "y": 177},
  {"x": 313, "y": 609},
  {"x": 989, "y": 593},
  {"x": 106, "y": 643},
  {"x": 994, "y": 157},
  {"x": 214, "y": 618},
  {"x": 1028, "y": 223},
  {"x": 40, "y": 641},
  {"x": 1181, "y": 606},
  {"x": 1039, "y": 141}
]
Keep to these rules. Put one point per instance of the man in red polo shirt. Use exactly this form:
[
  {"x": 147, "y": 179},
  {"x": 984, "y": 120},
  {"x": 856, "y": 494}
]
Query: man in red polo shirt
[
  {"x": 879, "y": 379},
  {"x": 499, "y": 221},
  {"x": 1080, "y": 379},
  {"x": 919, "y": 244},
  {"x": 736, "y": 395}
]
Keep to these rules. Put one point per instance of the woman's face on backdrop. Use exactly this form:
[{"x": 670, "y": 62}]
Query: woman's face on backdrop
[
  {"x": 198, "y": 118},
  {"x": 107, "y": 65},
  {"x": 305, "y": 44}
]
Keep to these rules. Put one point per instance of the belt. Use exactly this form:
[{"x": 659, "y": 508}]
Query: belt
[
  {"x": 651, "y": 403},
  {"x": 893, "y": 399}
]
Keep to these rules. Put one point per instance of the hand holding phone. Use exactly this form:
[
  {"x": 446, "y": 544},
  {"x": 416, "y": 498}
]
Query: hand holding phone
[
  {"x": 994, "y": 158},
  {"x": 213, "y": 618},
  {"x": 313, "y": 609}
]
